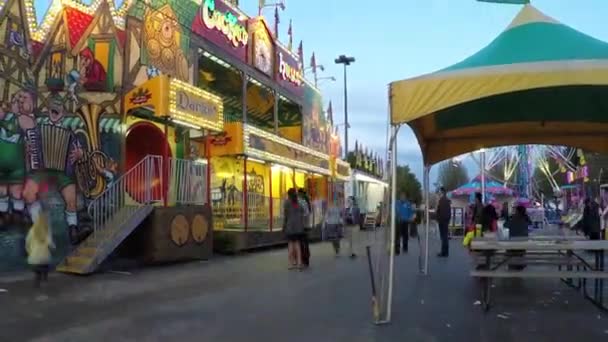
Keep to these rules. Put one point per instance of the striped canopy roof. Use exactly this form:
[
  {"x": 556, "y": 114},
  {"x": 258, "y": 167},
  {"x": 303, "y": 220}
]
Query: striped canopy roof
[
  {"x": 538, "y": 82},
  {"x": 492, "y": 187}
]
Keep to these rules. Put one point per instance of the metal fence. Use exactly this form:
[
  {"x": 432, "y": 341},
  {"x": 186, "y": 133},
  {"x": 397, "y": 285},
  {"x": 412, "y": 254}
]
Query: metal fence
[{"x": 187, "y": 182}]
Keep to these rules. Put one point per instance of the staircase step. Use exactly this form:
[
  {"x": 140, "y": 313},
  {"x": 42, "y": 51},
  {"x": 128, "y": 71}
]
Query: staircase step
[
  {"x": 78, "y": 260},
  {"x": 86, "y": 251},
  {"x": 92, "y": 251},
  {"x": 69, "y": 269}
]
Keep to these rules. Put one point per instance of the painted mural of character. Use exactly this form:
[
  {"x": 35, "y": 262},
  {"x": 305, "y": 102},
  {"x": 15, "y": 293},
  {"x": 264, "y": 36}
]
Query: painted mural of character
[
  {"x": 92, "y": 73},
  {"x": 315, "y": 128},
  {"x": 232, "y": 191},
  {"x": 63, "y": 180},
  {"x": 108, "y": 171},
  {"x": 73, "y": 83},
  {"x": 12, "y": 161},
  {"x": 162, "y": 42}
]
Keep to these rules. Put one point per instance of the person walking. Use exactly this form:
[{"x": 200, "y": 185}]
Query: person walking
[
  {"x": 405, "y": 215},
  {"x": 304, "y": 201},
  {"x": 293, "y": 228},
  {"x": 38, "y": 245},
  {"x": 478, "y": 214},
  {"x": 444, "y": 215},
  {"x": 333, "y": 227},
  {"x": 591, "y": 219}
]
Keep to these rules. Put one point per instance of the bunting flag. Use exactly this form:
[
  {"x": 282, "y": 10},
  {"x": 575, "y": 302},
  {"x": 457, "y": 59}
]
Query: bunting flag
[
  {"x": 290, "y": 34},
  {"x": 276, "y": 22},
  {"x": 330, "y": 114},
  {"x": 301, "y": 55},
  {"x": 313, "y": 62},
  {"x": 261, "y": 5}
]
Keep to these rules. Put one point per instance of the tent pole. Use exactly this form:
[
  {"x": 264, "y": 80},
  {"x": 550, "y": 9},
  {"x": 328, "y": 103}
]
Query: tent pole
[
  {"x": 426, "y": 181},
  {"x": 391, "y": 266},
  {"x": 483, "y": 176}
]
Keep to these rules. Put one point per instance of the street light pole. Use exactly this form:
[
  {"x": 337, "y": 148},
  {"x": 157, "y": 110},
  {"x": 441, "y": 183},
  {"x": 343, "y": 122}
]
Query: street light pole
[
  {"x": 345, "y": 114},
  {"x": 346, "y": 61}
]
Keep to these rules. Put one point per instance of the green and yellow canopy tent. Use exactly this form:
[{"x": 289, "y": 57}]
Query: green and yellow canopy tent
[{"x": 538, "y": 82}]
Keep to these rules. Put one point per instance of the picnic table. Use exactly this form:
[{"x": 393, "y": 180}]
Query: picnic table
[{"x": 567, "y": 258}]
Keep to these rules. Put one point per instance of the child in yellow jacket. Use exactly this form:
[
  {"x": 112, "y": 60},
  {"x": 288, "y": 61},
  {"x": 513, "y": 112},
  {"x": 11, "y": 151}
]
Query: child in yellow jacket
[{"x": 38, "y": 245}]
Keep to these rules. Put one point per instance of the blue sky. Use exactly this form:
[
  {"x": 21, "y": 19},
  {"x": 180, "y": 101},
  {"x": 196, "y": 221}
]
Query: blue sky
[{"x": 398, "y": 39}]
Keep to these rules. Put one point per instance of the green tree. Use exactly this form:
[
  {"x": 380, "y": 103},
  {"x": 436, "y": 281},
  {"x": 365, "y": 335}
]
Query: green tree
[
  {"x": 452, "y": 174},
  {"x": 408, "y": 183}
]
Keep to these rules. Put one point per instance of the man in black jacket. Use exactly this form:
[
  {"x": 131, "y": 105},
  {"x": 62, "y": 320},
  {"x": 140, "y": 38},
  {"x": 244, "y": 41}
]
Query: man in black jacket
[
  {"x": 444, "y": 215},
  {"x": 307, "y": 228}
]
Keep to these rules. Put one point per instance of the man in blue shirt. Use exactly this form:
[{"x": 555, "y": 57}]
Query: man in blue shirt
[{"x": 404, "y": 216}]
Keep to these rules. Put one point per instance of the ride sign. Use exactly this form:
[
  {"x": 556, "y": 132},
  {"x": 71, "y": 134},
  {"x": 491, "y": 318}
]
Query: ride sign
[
  {"x": 288, "y": 72},
  {"x": 226, "y": 22},
  {"x": 222, "y": 25}
]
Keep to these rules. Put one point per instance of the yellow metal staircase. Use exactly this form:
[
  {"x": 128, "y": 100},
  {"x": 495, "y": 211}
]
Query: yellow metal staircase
[{"x": 115, "y": 214}]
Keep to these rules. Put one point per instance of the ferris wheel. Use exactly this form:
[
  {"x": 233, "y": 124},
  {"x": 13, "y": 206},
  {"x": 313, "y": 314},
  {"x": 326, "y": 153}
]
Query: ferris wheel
[{"x": 514, "y": 165}]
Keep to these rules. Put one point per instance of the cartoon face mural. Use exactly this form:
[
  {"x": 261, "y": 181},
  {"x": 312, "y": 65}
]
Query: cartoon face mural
[{"x": 161, "y": 38}]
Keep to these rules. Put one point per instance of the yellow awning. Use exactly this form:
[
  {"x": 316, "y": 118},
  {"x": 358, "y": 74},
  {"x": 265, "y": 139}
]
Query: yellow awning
[{"x": 538, "y": 82}]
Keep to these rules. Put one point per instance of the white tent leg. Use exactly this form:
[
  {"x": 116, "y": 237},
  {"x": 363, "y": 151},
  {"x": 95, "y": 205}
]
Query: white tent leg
[
  {"x": 426, "y": 181},
  {"x": 391, "y": 266}
]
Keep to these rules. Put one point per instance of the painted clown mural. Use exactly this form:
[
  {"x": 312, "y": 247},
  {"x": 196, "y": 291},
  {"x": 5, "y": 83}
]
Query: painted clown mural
[{"x": 59, "y": 121}]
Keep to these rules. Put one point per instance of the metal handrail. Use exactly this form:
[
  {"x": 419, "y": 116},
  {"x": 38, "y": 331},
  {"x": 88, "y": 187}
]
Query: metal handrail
[{"x": 140, "y": 186}]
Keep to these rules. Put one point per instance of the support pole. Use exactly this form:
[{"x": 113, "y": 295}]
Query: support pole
[
  {"x": 270, "y": 199},
  {"x": 483, "y": 175},
  {"x": 427, "y": 221},
  {"x": 391, "y": 266},
  {"x": 245, "y": 196}
]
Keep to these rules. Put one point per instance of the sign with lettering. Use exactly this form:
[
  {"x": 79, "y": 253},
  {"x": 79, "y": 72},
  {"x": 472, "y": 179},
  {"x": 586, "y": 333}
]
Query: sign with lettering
[
  {"x": 227, "y": 142},
  {"x": 196, "y": 105},
  {"x": 342, "y": 170},
  {"x": 288, "y": 71},
  {"x": 273, "y": 147},
  {"x": 222, "y": 25}
]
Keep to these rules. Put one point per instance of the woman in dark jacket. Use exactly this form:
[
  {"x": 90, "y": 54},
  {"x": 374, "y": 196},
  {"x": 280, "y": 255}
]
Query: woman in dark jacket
[
  {"x": 591, "y": 220},
  {"x": 518, "y": 227},
  {"x": 293, "y": 227},
  {"x": 518, "y": 224}
]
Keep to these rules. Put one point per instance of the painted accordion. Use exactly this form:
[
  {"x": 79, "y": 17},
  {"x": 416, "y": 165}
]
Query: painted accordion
[{"x": 48, "y": 148}]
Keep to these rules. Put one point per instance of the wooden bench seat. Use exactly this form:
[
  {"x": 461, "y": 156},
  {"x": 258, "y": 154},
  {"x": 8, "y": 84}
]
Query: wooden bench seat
[
  {"x": 539, "y": 274},
  {"x": 534, "y": 261}
]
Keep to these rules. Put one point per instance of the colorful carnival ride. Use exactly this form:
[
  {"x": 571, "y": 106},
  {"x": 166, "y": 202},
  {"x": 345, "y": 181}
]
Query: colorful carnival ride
[
  {"x": 160, "y": 125},
  {"x": 514, "y": 167}
]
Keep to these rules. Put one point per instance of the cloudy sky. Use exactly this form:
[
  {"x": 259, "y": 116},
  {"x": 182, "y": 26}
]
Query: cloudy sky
[{"x": 397, "y": 39}]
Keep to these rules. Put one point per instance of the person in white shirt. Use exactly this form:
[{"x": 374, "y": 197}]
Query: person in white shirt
[{"x": 333, "y": 227}]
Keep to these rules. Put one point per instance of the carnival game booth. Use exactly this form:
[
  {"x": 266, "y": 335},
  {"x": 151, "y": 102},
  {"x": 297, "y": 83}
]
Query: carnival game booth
[
  {"x": 495, "y": 193},
  {"x": 538, "y": 82},
  {"x": 251, "y": 176},
  {"x": 369, "y": 192}
]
